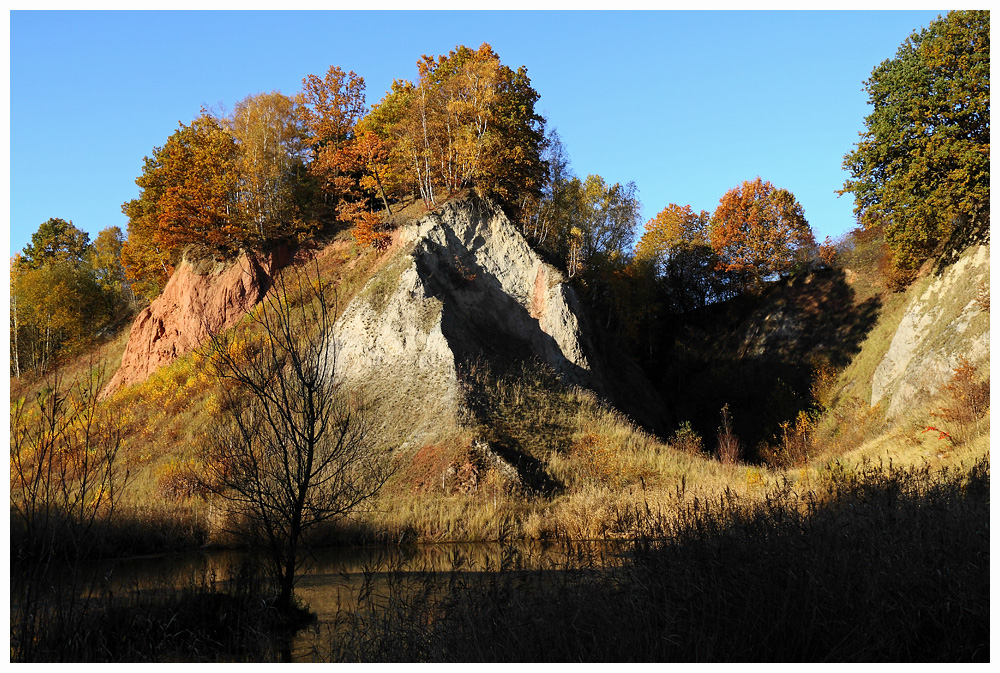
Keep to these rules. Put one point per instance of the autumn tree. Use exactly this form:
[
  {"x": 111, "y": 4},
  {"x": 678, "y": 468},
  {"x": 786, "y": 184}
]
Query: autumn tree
[
  {"x": 469, "y": 120},
  {"x": 759, "y": 231},
  {"x": 676, "y": 244},
  {"x": 372, "y": 154},
  {"x": 59, "y": 306},
  {"x": 330, "y": 109},
  {"x": 146, "y": 261},
  {"x": 200, "y": 168},
  {"x": 510, "y": 161},
  {"x": 606, "y": 219},
  {"x": 544, "y": 217},
  {"x": 109, "y": 273},
  {"x": 187, "y": 198},
  {"x": 674, "y": 228},
  {"x": 592, "y": 233},
  {"x": 922, "y": 167},
  {"x": 270, "y": 147},
  {"x": 56, "y": 240},
  {"x": 56, "y": 300}
]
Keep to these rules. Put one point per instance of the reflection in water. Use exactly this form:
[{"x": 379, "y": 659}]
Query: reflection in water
[{"x": 333, "y": 578}]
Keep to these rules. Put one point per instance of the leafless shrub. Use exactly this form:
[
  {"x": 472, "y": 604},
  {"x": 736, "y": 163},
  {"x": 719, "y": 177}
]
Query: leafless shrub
[
  {"x": 68, "y": 471},
  {"x": 296, "y": 448},
  {"x": 729, "y": 448}
]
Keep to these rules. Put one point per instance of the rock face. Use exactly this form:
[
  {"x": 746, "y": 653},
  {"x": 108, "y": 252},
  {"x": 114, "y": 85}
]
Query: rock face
[
  {"x": 199, "y": 299},
  {"x": 464, "y": 287},
  {"x": 944, "y": 322}
]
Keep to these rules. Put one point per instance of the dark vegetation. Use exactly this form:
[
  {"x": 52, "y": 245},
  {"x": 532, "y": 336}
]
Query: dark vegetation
[
  {"x": 89, "y": 619},
  {"x": 760, "y": 353},
  {"x": 885, "y": 564}
]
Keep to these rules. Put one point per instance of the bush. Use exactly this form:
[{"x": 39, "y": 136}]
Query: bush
[
  {"x": 687, "y": 440},
  {"x": 967, "y": 400},
  {"x": 795, "y": 444}
]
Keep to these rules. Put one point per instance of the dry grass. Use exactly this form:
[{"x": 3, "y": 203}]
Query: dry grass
[
  {"x": 873, "y": 563},
  {"x": 167, "y": 417}
]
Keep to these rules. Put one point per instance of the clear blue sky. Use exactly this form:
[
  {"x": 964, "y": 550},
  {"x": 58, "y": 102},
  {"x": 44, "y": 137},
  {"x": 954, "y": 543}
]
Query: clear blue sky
[{"x": 686, "y": 104}]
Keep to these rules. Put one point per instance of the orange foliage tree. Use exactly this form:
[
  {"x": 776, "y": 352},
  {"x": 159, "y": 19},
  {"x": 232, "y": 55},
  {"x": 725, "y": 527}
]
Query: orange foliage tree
[
  {"x": 468, "y": 120},
  {"x": 759, "y": 231},
  {"x": 199, "y": 168},
  {"x": 186, "y": 198},
  {"x": 330, "y": 109},
  {"x": 674, "y": 228},
  {"x": 675, "y": 244}
]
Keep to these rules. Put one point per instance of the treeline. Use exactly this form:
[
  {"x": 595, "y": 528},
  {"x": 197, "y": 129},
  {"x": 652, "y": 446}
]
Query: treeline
[
  {"x": 286, "y": 168},
  {"x": 683, "y": 260},
  {"x": 919, "y": 176},
  {"x": 63, "y": 290}
]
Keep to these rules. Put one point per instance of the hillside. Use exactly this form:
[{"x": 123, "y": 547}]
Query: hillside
[{"x": 493, "y": 392}]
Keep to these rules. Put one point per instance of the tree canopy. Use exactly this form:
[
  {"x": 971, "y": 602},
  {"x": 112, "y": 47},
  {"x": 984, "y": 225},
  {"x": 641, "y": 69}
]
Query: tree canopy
[
  {"x": 55, "y": 241},
  {"x": 269, "y": 136},
  {"x": 758, "y": 231},
  {"x": 63, "y": 289},
  {"x": 673, "y": 229},
  {"x": 676, "y": 244},
  {"x": 922, "y": 167},
  {"x": 469, "y": 120},
  {"x": 185, "y": 198}
]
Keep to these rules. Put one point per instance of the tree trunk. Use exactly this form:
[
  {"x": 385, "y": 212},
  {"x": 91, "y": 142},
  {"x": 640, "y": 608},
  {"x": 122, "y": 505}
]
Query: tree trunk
[
  {"x": 16, "y": 358},
  {"x": 381, "y": 191},
  {"x": 284, "y": 603}
]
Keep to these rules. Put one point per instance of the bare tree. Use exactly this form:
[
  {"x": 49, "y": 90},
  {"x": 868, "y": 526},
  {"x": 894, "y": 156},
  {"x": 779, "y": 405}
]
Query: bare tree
[
  {"x": 297, "y": 447},
  {"x": 68, "y": 472}
]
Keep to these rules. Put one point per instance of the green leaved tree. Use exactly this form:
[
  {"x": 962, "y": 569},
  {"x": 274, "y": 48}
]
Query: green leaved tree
[{"x": 922, "y": 167}]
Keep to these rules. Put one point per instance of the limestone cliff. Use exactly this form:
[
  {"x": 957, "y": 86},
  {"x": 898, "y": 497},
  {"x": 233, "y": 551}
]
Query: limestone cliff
[
  {"x": 200, "y": 298},
  {"x": 466, "y": 287},
  {"x": 943, "y": 320}
]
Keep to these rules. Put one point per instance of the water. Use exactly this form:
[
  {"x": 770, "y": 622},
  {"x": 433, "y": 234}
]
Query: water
[{"x": 333, "y": 578}]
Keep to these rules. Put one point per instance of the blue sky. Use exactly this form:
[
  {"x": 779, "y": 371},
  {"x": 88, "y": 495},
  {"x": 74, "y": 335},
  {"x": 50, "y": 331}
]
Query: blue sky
[{"x": 686, "y": 104}]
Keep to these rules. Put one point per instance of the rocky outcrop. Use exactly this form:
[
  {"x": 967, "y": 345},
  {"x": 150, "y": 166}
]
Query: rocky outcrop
[
  {"x": 943, "y": 322},
  {"x": 464, "y": 287},
  {"x": 201, "y": 298}
]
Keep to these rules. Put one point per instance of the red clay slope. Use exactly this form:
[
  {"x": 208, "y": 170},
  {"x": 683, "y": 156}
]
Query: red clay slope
[{"x": 195, "y": 303}]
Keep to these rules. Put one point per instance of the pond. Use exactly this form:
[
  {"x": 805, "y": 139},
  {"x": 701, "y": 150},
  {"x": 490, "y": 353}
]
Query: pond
[{"x": 332, "y": 578}]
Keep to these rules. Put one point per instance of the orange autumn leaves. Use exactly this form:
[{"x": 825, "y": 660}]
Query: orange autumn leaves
[
  {"x": 286, "y": 168},
  {"x": 756, "y": 231},
  {"x": 468, "y": 119}
]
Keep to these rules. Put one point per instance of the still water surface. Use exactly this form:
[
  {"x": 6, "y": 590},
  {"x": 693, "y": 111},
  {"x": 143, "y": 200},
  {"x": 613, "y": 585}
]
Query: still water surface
[{"x": 333, "y": 577}]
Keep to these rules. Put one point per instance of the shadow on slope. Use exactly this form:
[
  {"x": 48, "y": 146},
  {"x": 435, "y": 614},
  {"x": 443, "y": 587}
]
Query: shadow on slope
[{"x": 759, "y": 354}]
